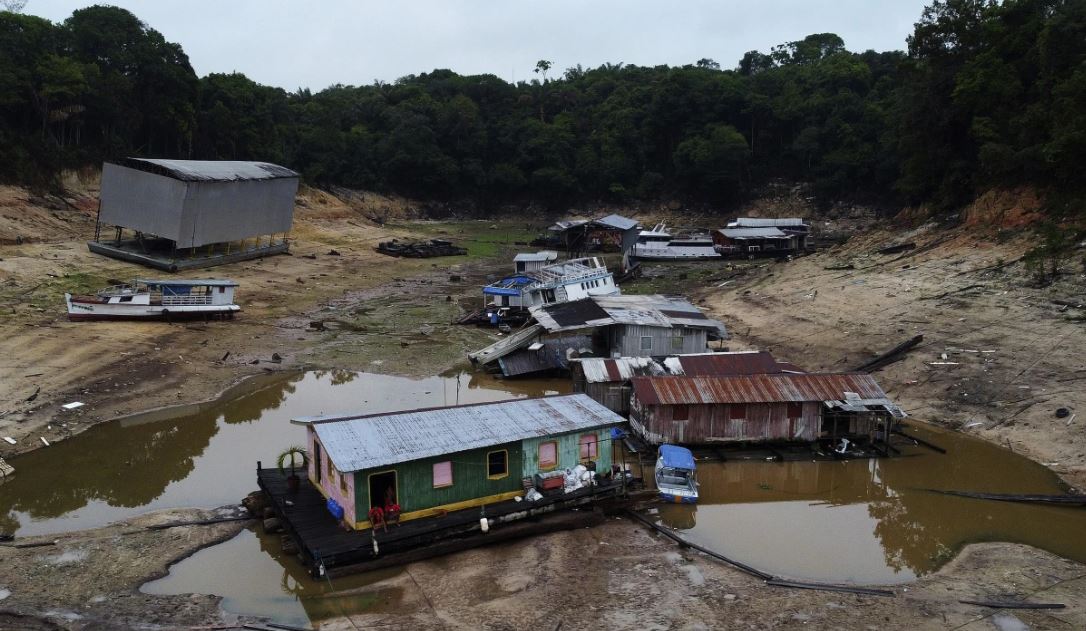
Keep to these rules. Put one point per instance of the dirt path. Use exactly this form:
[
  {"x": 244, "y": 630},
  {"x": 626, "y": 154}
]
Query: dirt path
[{"x": 998, "y": 358}]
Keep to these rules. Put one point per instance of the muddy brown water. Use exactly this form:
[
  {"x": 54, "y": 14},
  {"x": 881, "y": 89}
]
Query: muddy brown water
[
  {"x": 861, "y": 521},
  {"x": 875, "y": 521}
]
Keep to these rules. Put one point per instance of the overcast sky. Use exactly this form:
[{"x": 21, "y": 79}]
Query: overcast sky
[{"x": 316, "y": 43}]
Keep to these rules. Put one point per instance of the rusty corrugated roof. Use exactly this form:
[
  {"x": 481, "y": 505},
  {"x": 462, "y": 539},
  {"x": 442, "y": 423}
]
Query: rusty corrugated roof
[
  {"x": 778, "y": 388},
  {"x": 705, "y": 364}
]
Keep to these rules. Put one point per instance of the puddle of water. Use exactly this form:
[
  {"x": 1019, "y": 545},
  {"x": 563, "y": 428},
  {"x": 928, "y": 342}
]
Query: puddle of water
[
  {"x": 205, "y": 456},
  {"x": 871, "y": 521},
  {"x": 256, "y": 578}
]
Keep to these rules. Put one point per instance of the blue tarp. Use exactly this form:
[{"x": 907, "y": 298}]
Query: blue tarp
[
  {"x": 508, "y": 286},
  {"x": 500, "y": 291},
  {"x": 677, "y": 457},
  {"x": 335, "y": 508}
]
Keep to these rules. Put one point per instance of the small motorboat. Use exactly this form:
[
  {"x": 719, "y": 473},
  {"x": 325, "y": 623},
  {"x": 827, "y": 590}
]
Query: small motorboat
[
  {"x": 675, "y": 475},
  {"x": 156, "y": 299}
]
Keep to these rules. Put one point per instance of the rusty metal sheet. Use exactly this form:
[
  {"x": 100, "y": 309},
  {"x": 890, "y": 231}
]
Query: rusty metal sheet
[{"x": 776, "y": 388}]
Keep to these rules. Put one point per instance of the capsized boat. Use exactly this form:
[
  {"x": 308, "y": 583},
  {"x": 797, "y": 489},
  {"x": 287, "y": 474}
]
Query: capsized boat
[
  {"x": 675, "y": 475},
  {"x": 659, "y": 245},
  {"x": 156, "y": 299}
]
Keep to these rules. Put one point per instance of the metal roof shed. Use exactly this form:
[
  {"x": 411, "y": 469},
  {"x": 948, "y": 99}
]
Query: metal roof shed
[{"x": 194, "y": 203}]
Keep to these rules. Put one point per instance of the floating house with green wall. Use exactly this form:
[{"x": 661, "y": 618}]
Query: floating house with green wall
[{"x": 431, "y": 461}]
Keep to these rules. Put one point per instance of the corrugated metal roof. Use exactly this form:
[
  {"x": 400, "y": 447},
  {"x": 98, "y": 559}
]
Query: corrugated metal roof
[
  {"x": 209, "y": 170},
  {"x": 616, "y": 221},
  {"x": 753, "y": 233},
  {"x": 601, "y": 370},
  {"x": 763, "y": 222},
  {"x": 544, "y": 255},
  {"x": 647, "y": 310},
  {"x": 560, "y": 226},
  {"x": 364, "y": 442},
  {"x": 779, "y": 388}
]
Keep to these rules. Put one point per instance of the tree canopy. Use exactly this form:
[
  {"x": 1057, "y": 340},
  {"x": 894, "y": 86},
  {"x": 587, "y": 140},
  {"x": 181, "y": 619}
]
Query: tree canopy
[{"x": 987, "y": 94}]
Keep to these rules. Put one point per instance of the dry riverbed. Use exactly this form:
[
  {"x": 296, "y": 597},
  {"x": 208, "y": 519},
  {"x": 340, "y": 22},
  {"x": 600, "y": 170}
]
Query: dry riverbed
[{"x": 361, "y": 311}]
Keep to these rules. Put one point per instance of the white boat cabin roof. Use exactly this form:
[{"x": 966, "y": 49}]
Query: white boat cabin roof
[{"x": 207, "y": 282}]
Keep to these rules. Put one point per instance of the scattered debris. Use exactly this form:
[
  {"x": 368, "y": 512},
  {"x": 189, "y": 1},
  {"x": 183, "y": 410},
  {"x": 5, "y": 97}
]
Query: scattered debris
[
  {"x": 73, "y": 405},
  {"x": 225, "y": 356},
  {"x": 44, "y": 442},
  {"x": 333, "y": 253},
  {"x": 837, "y": 268},
  {"x": 10, "y": 440},
  {"x": 277, "y": 358},
  {"x": 33, "y": 396},
  {"x": 1062, "y": 412},
  {"x": 420, "y": 249}
]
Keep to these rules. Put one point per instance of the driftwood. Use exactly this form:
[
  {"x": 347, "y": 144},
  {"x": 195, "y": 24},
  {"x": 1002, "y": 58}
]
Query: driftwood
[
  {"x": 1060, "y": 500},
  {"x": 835, "y": 268},
  {"x": 952, "y": 291},
  {"x": 899, "y": 248},
  {"x": 1013, "y": 605},
  {"x": 890, "y": 356}
]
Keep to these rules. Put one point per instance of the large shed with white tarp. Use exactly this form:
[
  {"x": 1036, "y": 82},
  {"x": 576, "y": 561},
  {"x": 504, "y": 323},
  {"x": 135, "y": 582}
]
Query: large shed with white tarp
[{"x": 193, "y": 213}]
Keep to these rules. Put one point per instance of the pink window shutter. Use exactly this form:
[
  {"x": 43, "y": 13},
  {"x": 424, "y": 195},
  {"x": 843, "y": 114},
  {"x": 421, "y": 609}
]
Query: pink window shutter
[{"x": 443, "y": 473}]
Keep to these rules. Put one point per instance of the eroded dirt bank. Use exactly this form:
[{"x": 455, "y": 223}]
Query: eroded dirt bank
[{"x": 999, "y": 357}]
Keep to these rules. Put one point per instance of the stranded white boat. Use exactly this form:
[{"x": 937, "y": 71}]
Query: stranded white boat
[
  {"x": 675, "y": 475},
  {"x": 659, "y": 245},
  {"x": 150, "y": 299}
]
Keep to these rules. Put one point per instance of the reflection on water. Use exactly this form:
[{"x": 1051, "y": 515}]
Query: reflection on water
[
  {"x": 205, "y": 456},
  {"x": 256, "y": 578},
  {"x": 870, "y": 521}
]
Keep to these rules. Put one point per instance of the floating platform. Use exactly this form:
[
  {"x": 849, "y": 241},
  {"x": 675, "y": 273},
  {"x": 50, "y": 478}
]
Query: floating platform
[
  {"x": 169, "y": 260},
  {"x": 325, "y": 546}
]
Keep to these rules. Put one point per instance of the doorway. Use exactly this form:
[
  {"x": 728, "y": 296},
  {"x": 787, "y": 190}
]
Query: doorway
[{"x": 383, "y": 489}]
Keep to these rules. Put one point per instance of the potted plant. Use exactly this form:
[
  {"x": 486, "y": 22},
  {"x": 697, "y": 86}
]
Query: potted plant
[{"x": 289, "y": 456}]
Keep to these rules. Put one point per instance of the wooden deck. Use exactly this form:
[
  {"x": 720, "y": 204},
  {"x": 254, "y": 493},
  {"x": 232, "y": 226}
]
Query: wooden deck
[{"x": 323, "y": 541}]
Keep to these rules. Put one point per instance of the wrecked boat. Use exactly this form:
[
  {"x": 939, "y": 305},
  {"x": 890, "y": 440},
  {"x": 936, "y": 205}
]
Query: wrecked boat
[
  {"x": 156, "y": 299},
  {"x": 675, "y": 475}
]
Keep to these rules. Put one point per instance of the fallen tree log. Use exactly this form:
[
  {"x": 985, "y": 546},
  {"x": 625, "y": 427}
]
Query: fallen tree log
[
  {"x": 1013, "y": 605},
  {"x": 952, "y": 291},
  {"x": 890, "y": 356},
  {"x": 1060, "y": 500},
  {"x": 899, "y": 248}
]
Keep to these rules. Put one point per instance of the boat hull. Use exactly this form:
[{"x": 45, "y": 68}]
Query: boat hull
[
  {"x": 672, "y": 498},
  {"x": 670, "y": 257},
  {"x": 81, "y": 310}
]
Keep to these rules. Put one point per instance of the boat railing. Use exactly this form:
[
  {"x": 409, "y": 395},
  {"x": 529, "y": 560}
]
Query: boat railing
[
  {"x": 117, "y": 290},
  {"x": 186, "y": 300}
]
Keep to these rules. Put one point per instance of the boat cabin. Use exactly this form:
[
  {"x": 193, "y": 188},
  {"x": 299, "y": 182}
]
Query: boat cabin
[
  {"x": 431, "y": 461},
  {"x": 768, "y": 241},
  {"x": 547, "y": 284}
]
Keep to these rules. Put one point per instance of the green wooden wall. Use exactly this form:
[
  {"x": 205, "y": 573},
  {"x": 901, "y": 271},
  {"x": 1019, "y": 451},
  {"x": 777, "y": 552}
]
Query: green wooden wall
[
  {"x": 415, "y": 480},
  {"x": 569, "y": 451}
]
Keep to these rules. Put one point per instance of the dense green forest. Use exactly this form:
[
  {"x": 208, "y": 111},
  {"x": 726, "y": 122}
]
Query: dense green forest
[{"x": 987, "y": 94}]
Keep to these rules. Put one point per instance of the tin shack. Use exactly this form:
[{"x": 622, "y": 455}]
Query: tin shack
[
  {"x": 608, "y": 380},
  {"x": 431, "y": 461},
  {"x": 764, "y": 407},
  {"x": 602, "y": 326}
]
